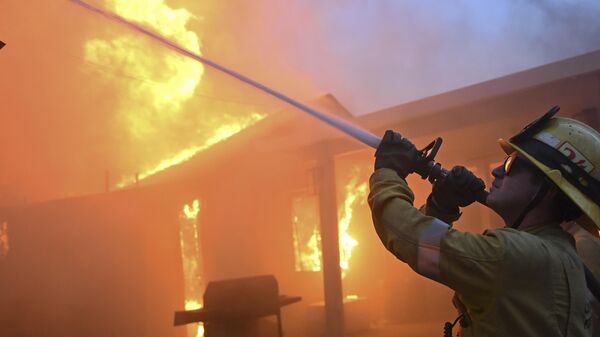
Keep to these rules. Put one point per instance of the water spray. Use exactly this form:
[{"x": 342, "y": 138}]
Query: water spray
[
  {"x": 430, "y": 170},
  {"x": 354, "y": 131}
]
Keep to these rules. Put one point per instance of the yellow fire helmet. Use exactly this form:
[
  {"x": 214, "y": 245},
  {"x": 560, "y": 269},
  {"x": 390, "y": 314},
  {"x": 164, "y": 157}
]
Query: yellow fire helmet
[{"x": 567, "y": 151}]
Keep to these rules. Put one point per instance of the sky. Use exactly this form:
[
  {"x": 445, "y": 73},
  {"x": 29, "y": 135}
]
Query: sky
[{"x": 69, "y": 117}]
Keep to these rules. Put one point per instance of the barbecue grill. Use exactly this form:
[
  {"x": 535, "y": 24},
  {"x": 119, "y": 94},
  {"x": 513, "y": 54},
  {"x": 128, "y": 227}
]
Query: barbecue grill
[{"x": 233, "y": 307}]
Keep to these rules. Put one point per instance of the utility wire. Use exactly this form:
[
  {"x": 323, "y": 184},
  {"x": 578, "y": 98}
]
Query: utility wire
[
  {"x": 342, "y": 125},
  {"x": 117, "y": 72}
]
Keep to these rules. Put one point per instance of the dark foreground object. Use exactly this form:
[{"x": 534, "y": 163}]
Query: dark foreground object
[{"x": 233, "y": 307}]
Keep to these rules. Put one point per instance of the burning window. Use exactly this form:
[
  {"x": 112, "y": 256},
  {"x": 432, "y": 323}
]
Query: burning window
[
  {"x": 355, "y": 195},
  {"x": 307, "y": 237},
  {"x": 4, "y": 243},
  {"x": 192, "y": 261},
  {"x": 306, "y": 226}
]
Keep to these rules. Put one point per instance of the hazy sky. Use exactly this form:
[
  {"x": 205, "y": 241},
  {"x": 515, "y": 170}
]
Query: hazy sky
[{"x": 376, "y": 54}]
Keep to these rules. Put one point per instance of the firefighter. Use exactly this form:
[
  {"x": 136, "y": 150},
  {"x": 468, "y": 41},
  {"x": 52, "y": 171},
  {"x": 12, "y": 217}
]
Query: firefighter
[
  {"x": 588, "y": 249},
  {"x": 522, "y": 280}
]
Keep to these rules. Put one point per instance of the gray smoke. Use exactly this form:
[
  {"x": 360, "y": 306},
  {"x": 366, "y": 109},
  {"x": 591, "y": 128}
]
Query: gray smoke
[{"x": 376, "y": 54}]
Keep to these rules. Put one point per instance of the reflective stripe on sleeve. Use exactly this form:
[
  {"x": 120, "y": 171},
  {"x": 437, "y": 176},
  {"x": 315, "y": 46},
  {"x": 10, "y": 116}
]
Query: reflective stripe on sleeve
[{"x": 429, "y": 249}]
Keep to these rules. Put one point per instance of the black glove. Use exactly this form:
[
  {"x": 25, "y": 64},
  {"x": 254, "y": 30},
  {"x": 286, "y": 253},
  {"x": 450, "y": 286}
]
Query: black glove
[
  {"x": 459, "y": 189},
  {"x": 396, "y": 153}
]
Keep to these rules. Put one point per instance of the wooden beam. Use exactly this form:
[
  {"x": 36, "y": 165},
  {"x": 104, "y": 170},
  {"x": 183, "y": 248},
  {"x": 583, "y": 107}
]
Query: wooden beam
[{"x": 332, "y": 277}]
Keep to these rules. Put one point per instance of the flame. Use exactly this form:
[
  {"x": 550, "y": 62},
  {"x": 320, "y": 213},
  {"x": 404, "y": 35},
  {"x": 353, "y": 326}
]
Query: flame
[
  {"x": 191, "y": 212},
  {"x": 351, "y": 298},
  {"x": 306, "y": 219},
  {"x": 173, "y": 77},
  {"x": 193, "y": 305},
  {"x": 151, "y": 110},
  {"x": 313, "y": 258},
  {"x": 356, "y": 193},
  {"x": 221, "y": 133},
  {"x": 306, "y": 238},
  {"x": 192, "y": 258}
]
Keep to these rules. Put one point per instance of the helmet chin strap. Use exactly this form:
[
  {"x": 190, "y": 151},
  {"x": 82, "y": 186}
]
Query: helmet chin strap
[{"x": 535, "y": 200}]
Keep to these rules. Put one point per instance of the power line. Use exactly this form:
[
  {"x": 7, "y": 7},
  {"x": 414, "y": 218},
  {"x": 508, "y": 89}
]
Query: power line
[{"x": 116, "y": 72}]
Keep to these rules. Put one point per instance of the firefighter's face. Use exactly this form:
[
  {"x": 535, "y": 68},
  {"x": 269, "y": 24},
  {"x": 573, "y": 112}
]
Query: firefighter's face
[{"x": 513, "y": 187}]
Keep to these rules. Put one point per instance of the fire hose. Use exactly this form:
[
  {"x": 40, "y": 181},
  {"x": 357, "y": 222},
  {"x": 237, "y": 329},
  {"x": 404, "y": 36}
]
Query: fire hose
[{"x": 430, "y": 169}]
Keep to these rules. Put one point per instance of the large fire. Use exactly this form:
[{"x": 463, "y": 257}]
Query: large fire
[
  {"x": 191, "y": 255},
  {"x": 159, "y": 83},
  {"x": 221, "y": 133}
]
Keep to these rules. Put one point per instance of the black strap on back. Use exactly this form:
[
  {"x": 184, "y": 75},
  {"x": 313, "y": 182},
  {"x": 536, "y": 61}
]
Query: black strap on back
[
  {"x": 574, "y": 174},
  {"x": 535, "y": 200}
]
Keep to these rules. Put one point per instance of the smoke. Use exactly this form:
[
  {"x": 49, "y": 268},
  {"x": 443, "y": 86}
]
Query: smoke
[
  {"x": 91, "y": 100},
  {"x": 50, "y": 128},
  {"x": 376, "y": 54},
  {"x": 61, "y": 123}
]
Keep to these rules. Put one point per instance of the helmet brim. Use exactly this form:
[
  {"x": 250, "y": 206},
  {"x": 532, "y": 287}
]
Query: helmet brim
[{"x": 591, "y": 211}]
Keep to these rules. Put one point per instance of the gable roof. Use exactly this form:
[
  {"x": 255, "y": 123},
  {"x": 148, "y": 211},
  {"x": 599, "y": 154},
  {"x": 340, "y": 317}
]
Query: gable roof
[
  {"x": 292, "y": 130},
  {"x": 578, "y": 65}
]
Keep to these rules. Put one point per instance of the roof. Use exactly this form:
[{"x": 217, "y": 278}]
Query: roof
[
  {"x": 294, "y": 130},
  {"x": 578, "y": 65}
]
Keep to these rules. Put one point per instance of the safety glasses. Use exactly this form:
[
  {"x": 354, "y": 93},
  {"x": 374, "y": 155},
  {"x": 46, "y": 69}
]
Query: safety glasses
[{"x": 509, "y": 162}]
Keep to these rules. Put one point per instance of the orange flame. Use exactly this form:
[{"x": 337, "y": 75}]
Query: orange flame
[
  {"x": 192, "y": 259},
  {"x": 307, "y": 236},
  {"x": 356, "y": 193},
  {"x": 221, "y": 133},
  {"x": 154, "y": 106},
  {"x": 150, "y": 103}
]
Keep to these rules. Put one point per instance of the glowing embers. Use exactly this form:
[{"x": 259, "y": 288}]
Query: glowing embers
[
  {"x": 351, "y": 298},
  {"x": 307, "y": 237},
  {"x": 191, "y": 255},
  {"x": 4, "y": 241},
  {"x": 306, "y": 226}
]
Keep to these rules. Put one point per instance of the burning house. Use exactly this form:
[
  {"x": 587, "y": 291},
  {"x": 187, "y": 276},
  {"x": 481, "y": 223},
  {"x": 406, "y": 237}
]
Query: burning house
[
  {"x": 280, "y": 195},
  {"x": 213, "y": 200}
]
